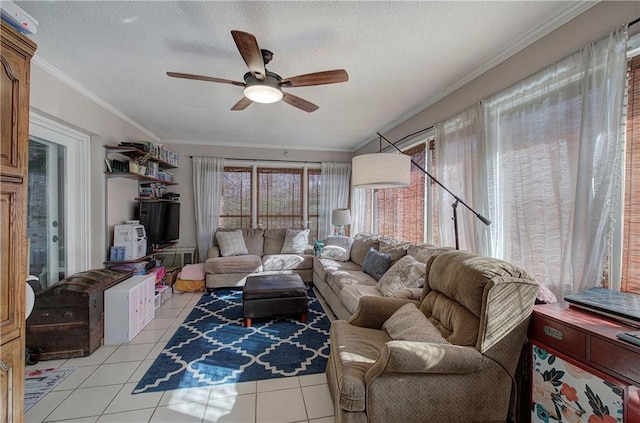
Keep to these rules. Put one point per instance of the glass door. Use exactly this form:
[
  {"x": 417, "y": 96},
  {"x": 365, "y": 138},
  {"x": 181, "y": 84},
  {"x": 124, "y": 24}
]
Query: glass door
[{"x": 45, "y": 211}]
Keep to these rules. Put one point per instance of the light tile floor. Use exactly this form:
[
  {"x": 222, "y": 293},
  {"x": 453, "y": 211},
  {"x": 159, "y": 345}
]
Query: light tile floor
[{"x": 99, "y": 390}]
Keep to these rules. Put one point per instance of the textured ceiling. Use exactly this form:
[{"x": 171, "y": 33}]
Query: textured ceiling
[{"x": 400, "y": 56}]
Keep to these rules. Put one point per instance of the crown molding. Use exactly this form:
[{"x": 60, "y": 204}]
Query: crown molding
[{"x": 59, "y": 75}]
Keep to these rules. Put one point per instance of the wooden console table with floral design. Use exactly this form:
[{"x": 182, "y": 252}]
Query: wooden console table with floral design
[{"x": 580, "y": 371}]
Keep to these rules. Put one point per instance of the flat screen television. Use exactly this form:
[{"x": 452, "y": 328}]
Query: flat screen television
[{"x": 161, "y": 220}]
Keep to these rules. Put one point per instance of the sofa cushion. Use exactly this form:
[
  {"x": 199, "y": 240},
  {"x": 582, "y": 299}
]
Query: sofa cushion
[
  {"x": 361, "y": 245},
  {"x": 422, "y": 252},
  {"x": 410, "y": 324},
  {"x": 295, "y": 241},
  {"x": 287, "y": 261},
  {"x": 376, "y": 263},
  {"x": 231, "y": 243},
  {"x": 395, "y": 249},
  {"x": 350, "y": 295},
  {"x": 233, "y": 264},
  {"x": 406, "y": 273},
  {"x": 273, "y": 240},
  {"x": 354, "y": 350},
  {"x": 322, "y": 266},
  {"x": 337, "y": 248},
  {"x": 340, "y": 279},
  {"x": 254, "y": 240}
]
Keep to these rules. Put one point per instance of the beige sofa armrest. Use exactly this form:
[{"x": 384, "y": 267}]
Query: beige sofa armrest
[
  {"x": 424, "y": 357},
  {"x": 372, "y": 311},
  {"x": 213, "y": 252}
]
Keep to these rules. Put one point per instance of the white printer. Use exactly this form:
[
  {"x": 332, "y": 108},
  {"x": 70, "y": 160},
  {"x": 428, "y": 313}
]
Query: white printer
[{"x": 133, "y": 237}]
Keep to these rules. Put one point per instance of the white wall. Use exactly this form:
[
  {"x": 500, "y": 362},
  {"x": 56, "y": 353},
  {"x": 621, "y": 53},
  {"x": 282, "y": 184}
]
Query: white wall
[
  {"x": 57, "y": 100},
  {"x": 592, "y": 25}
]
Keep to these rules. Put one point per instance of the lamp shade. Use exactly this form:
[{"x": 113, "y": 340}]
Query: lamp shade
[
  {"x": 341, "y": 217},
  {"x": 381, "y": 170}
]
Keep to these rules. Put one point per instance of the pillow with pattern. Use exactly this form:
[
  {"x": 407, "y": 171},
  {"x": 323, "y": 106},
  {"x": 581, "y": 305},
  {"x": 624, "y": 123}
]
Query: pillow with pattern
[
  {"x": 406, "y": 273},
  {"x": 231, "y": 243},
  {"x": 375, "y": 263},
  {"x": 337, "y": 248},
  {"x": 296, "y": 241}
]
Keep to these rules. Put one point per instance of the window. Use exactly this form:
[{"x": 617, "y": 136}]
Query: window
[
  {"x": 630, "y": 279},
  {"x": 399, "y": 212},
  {"x": 279, "y": 198},
  {"x": 236, "y": 198},
  {"x": 276, "y": 200}
]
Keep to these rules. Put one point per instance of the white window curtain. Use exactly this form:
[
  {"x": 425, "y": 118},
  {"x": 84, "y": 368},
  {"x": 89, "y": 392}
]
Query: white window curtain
[
  {"x": 335, "y": 182},
  {"x": 208, "y": 173},
  {"x": 554, "y": 143},
  {"x": 358, "y": 211},
  {"x": 460, "y": 157}
]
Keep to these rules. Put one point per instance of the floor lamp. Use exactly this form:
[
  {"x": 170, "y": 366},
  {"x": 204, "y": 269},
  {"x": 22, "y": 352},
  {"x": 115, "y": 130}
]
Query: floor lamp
[{"x": 391, "y": 170}]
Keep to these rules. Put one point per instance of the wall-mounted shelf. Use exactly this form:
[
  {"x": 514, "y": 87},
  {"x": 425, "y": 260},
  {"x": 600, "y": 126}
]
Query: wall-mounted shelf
[
  {"x": 136, "y": 152},
  {"x": 155, "y": 200},
  {"x": 159, "y": 159},
  {"x": 138, "y": 177}
]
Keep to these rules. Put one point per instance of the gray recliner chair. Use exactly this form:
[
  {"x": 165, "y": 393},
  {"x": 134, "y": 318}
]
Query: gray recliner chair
[{"x": 477, "y": 312}]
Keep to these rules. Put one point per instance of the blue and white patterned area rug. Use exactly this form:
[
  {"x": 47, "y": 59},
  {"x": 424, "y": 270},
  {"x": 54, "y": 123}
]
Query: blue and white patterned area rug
[{"x": 212, "y": 347}]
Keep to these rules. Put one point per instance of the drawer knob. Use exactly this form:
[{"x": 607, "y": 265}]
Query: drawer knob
[{"x": 554, "y": 333}]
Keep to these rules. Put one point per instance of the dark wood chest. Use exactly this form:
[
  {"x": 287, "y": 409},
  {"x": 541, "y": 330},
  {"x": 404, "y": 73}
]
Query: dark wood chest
[{"x": 68, "y": 318}]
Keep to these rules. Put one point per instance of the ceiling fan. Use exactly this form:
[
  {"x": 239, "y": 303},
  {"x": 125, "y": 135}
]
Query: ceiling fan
[{"x": 263, "y": 86}]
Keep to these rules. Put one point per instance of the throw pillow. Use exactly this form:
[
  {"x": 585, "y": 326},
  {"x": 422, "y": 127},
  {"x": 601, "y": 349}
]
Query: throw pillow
[
  {"x": 406, "y": 273},
  {"x": 337, "y": 248},
  {"x": 396, "y": 249},
  {"x": 375, "y": 263},
  {"x": 231, "y": 243},
  {"x": 295, "y": 241},
  {"x": 410, "y": 324}
]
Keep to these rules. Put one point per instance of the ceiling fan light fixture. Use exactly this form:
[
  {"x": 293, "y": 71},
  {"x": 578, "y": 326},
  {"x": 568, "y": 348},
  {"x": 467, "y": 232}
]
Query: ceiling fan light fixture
[{"x": 263, "y": 93}]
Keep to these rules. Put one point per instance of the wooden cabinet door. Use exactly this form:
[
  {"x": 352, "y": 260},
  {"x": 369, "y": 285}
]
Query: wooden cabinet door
[
  {"x": 12, "y": 260},
  {"x": 15, "y": 56},
  {"x": 12, "y": 381}
]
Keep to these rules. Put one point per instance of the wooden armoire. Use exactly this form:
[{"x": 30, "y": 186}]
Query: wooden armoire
[{"x": 15, "y": 54}]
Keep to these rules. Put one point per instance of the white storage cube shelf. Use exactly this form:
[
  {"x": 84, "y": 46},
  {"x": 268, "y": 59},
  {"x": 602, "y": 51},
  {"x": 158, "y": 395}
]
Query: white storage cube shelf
[{"x": 128, "y": 308}]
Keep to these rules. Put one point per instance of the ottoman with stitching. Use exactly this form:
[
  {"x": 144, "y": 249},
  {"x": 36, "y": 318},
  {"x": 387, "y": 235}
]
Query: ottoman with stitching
[{"x": 274, "y": 295}]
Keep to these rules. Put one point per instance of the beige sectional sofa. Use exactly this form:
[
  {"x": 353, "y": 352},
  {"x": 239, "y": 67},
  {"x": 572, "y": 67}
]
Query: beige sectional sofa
[
  {"x": 343, "y": 283},
  {"x": 264, "y": 256}
]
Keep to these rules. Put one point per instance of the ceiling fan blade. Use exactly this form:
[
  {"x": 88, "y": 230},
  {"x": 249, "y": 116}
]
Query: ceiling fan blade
[
  {"x": 204, "y": 78},
  {"x": 316, "y": 78},
  {"x": 300, "y": 103},
  {"x": 250, "y": 52},
  {"x": 242, "y": 104}
]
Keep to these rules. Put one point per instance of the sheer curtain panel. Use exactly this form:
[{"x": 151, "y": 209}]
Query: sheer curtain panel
[
  {"x": 207, "y": 192},
  {"x": 335, "y": 183},
  {"x": 461, "y": 168},
  {"x": 554, "y": 147}
]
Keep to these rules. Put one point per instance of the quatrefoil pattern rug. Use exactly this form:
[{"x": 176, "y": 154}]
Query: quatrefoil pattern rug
[{"x": 212, "y": 347}]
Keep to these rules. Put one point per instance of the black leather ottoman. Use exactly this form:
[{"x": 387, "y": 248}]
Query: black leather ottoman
[{"x": 274, "y": 295}]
